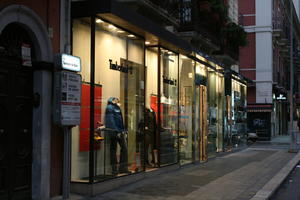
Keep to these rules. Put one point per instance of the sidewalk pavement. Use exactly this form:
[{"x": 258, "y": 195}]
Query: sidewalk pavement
[{"x": 253, "y": 173}]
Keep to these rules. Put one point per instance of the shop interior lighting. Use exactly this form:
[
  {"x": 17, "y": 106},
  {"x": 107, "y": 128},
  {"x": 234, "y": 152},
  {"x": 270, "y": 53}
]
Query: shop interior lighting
[
  {"x": 120, "y": 31},
  {"x": 184, "y": 57},
  {"x": 198, "y": 70},
  {"x": 201, "y": 70},
  {"x": 147, "y": 42},
  {"x": 131, "y": 36},
  {"x": 110, "y": 26},
  {"x": 98, "y": 21}
]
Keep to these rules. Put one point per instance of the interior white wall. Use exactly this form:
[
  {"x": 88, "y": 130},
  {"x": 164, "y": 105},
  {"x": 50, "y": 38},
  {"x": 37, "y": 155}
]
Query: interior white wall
[
  {"x": 82, "y": 39},
  {"x": 152, "y": 72},
  {"x": 81, "y": 44}
]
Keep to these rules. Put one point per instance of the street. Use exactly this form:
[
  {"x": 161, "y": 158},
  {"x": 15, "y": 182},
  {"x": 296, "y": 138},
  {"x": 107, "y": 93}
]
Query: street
[{"x": 290, "y": 188}]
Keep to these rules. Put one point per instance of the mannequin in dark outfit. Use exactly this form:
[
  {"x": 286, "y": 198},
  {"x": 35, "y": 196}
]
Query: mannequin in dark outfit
[
  {"x": 150, "y": 134},
  {"x": 116, "y": 133}
]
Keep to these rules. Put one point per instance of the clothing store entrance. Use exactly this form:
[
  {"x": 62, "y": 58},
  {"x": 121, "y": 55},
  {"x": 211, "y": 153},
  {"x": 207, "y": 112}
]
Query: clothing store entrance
[
  {"x": 201, "y": 120},
  {"x": 16, "y": 88}
]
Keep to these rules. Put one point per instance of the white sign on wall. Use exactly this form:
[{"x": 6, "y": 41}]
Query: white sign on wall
[
  {"x": 67, "y": 98},
  {"x": 26, "y": 55},
  {"x": 68, "y": 62}
]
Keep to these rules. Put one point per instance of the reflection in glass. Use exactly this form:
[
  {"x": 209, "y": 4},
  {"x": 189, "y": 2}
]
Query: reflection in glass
[
  {"x": 169, "y": 107},
  {"x": 118, "y": 102},
  {"x": 186, "y": 103},
  {"x": 216, "y": 112},
  {"x": 151, "y": 110},
  {"x": 239, "y": 116},
  {"x": 120, "y": 72},
  {"x": 201, "y": 114}
]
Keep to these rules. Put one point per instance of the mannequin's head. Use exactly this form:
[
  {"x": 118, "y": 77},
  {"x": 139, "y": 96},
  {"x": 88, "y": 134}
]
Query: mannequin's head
[{"x": 116, "y": 101}]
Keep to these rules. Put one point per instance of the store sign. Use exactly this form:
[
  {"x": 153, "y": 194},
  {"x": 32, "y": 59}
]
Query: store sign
[
  {"x": 281, "y": 97},
  {"x": 68, "y": 62},
  {"x": 26, "y": 55},
  {"x": 121, "y": 68},
  {"x": 67, "y": 98},
  {"x": 169, "y": 81}
]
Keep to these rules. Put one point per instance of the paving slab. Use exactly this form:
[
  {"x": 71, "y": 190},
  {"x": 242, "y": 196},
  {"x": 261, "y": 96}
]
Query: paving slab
[{"x": 236, "y": 176}]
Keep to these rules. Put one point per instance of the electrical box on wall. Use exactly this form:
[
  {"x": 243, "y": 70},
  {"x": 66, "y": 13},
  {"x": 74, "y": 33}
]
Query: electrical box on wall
[{"x": 67, "y": 98}]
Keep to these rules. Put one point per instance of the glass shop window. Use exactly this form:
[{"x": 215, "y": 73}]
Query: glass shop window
[
  {"x": 119, "y": 103},
  {"x": 169, "y": 107},
  {"x": 186, "y": 102}
]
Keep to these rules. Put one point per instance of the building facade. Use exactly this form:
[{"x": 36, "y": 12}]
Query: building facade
[
  {"x": 29, "y": 36},
  {"x": 151, "y": 100},
  {"x": 266, "y": 61}
]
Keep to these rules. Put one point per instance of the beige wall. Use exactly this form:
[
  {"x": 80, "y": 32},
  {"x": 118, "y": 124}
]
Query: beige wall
[{"x": 152, "y": 72}]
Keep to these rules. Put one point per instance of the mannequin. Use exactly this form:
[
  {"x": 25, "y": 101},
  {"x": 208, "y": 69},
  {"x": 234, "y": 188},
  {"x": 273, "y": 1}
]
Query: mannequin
[
  {"x": 117, "y": 135},
  {"x": 150, "y": 134}
]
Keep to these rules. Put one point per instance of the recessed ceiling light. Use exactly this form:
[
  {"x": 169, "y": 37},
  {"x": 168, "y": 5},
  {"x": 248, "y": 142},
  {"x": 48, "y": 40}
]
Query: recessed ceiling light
[
  {"x": 147, "y": 42},
  {"x": 120, "y": 31},
  {"x": 99, "y": 21},
  {"x": 111, "y": 26},
  {"x": 131, "y": 36}
]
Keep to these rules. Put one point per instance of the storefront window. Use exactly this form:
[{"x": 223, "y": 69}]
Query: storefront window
[
  {"x": 201, "y": 113},
  {"x": 169, "y": 107},
  {"x": 119, "y": 72},
  {"x": 221, "y": 113},
  {"x": 239, "y": 127},
  {"x": 118, "y": 103},
  {"x": 151, "y": 110},
  {"x": 80, "y": 134},
  {"x": 186, "y": 102},
  {"x": 216, "y": 111}
]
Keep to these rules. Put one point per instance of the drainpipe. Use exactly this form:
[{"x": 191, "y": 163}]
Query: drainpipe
[
  {"x": 65, "y": 47},
  {"x": 65, "y": 26}
]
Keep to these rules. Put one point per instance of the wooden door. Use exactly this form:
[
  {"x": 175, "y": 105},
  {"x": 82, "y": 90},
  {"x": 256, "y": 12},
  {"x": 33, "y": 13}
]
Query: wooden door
[
  {"x": 15, "y": 131},
  {"x": 203, "y": 123}
]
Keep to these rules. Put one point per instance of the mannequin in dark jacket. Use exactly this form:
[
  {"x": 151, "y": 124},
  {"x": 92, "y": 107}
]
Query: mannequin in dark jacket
[
  {"x": 150, "y": 134},
  {"x": 116, "y": 133}
]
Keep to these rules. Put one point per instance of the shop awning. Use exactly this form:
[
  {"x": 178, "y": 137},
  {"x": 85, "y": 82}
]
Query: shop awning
[
  {"x": 124, "y": 17},
  {"x": 259, "y": 107}
]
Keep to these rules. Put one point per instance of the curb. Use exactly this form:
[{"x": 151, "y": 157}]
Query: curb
[{"x": 269, "y": 189}]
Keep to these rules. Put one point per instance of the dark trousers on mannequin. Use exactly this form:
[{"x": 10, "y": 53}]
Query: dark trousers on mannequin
[
  {"x": 118, "y": 138},
  {"x": 149, "y": 142}
]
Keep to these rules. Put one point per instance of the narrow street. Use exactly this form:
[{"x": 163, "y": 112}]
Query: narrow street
[{"x": 235, "y": 176}]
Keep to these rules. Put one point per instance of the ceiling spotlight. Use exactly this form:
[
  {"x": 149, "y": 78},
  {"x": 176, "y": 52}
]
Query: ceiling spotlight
[
  {"x": 147, "y": 42},
  {"x": 131, "y": 36},
  {"x": 99, "y": 21},
  {"x": 120, "y": 31},
  {"x": 111, "y": 26}
]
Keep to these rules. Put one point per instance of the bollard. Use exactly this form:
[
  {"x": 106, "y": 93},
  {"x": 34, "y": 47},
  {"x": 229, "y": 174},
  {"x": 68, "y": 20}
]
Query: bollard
[{"x": 293, "y": 143}]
